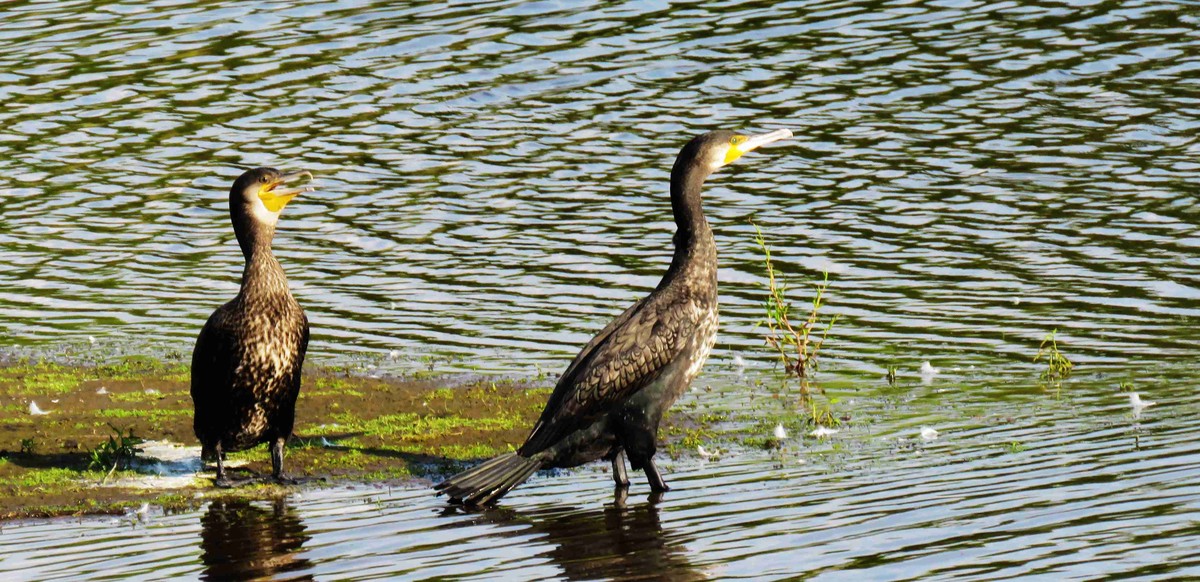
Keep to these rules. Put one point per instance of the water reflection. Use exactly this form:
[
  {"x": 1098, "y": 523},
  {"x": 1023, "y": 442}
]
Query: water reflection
[
  {"x": 241, "y": 540},
  {"x": 617, "y": 542}
]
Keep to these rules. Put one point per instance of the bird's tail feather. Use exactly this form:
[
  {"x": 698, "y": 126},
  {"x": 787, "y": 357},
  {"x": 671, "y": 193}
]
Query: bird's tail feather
[{"x": 490, "y": 480}]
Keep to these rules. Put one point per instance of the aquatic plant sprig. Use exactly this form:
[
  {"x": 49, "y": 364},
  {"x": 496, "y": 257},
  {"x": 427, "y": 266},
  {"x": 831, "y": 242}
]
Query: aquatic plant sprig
[
  {"x": 822, "y": 415},
  {"x": 119, "y": 450},
  {"x": 1058, "y": 367},
  {"x": 797, "y": 346},
  {"x": 890, "y": 377}
]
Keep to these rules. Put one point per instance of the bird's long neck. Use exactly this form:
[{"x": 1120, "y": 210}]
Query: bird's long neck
[
  {"x": 695, "y": 250},
  {"x": 263, "y": 273}
]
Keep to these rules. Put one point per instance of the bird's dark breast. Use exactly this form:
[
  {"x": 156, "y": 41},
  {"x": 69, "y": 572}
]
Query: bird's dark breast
[{"x": 254, "y": 401}]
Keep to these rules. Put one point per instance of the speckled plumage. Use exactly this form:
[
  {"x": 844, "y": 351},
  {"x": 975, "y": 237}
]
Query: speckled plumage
[
  {"x": 611, "y": 398},
  {"x": 662, "y": 339},
  {"x": 247, "y": 361}
]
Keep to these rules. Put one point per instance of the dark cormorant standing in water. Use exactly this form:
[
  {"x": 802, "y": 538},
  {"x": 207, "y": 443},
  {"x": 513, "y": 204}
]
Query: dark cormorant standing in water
[
  {"x": 609, "y": 401},
  {"x": 246, "y": 365}
]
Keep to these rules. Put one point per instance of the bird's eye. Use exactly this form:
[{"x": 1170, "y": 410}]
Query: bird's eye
[{"x": 737, "y": 140}]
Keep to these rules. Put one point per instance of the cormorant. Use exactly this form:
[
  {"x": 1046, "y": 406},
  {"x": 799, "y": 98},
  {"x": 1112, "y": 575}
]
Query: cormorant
[
  {"x": 247, "y": 361},
  {"x": 609, "y": 401}
]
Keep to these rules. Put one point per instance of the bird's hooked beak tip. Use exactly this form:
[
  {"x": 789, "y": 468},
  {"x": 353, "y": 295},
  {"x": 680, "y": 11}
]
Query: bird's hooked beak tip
[{"x": 292, "y": 177}]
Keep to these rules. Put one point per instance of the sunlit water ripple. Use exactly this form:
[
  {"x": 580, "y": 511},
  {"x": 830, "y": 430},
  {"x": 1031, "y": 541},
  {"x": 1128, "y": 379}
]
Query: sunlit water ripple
[
  {"x": 492, "y": 188},
  {"x": 493, "y": 177}
]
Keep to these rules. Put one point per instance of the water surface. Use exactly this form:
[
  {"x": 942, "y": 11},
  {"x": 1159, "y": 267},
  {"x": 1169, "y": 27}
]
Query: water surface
[
  {"x": 493, "y": 177},
  {"x": 1055, "y": 489},
  {"x": 493, "y": 188}
]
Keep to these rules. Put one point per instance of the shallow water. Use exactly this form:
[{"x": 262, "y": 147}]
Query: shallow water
[
  {"x": 492, "y": 189},
  {"x": 1077, "y": 488}
]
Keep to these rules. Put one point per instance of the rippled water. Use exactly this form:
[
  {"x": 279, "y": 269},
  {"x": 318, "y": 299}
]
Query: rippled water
[
  {"x": 493, "y": 176},
  {"x": 492, "y": 188},
  {"x": 1090, "y": 491}
]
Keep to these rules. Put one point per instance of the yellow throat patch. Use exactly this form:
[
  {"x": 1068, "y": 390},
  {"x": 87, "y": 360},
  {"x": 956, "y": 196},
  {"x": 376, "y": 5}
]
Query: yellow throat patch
[
  {"x": 273, "y": 202},
  {"x": 735, "y": 150}
]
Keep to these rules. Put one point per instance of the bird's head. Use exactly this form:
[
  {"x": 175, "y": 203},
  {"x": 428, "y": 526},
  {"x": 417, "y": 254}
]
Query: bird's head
[
  {"x": 263, "y": 192},
  {"x": 716, "y": 149}
]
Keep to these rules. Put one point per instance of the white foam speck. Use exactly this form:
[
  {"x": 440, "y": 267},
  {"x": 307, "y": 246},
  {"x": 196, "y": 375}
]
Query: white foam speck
[
  {"x": 927, "y": 369},
  {"x": 102, "y": 390},
  {"x": 34, "y": 410},
  {"x": 706, "y": 454},
  {"x": 823, "y": 432},
  {"x": 780, "y": 432},
  {"x": 928, "y": 433},
  {"x": 1137, "y": 403}
]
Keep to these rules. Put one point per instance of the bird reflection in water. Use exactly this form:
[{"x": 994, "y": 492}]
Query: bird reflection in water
[
  {"x": 617, "y": 542},
  {"x": 242, "y": 540}
]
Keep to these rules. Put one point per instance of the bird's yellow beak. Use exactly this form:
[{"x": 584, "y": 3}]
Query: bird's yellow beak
[
  {"x": 741, "y": 144},
  {"x": 275, "y": 198}
]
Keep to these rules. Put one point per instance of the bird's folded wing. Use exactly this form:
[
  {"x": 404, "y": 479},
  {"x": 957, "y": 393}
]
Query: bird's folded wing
[{"x": 629, "y": 354}]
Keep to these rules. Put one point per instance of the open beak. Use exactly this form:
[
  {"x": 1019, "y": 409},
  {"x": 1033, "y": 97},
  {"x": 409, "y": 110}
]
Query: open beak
[{"x": 275, "y": 198}]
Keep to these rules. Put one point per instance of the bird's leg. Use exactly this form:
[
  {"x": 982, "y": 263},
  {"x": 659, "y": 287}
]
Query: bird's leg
[
  {"x": 277, "y": 463},
  {"x": 620, "y": 496},
  {"x": 277, "y": 459},
  {"x": 655, "y": 478},
  {"x": 618, "y": 469},
  {"x": 222, "y": 479}
]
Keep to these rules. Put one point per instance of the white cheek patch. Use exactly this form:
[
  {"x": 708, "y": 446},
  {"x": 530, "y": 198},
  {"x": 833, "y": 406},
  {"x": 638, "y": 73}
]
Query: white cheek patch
[
  {"x": 717, "y": 159},
  {"x": 261, "y": 214}
]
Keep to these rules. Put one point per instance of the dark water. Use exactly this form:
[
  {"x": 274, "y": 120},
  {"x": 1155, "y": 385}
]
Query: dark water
[{"x": 492, "y": 188}]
